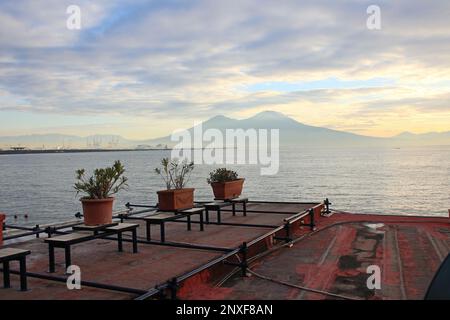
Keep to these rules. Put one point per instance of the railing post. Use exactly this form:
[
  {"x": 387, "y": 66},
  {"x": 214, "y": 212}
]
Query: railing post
[
  {"x": 160, "y": 295},
  {"x": 288, "y": 232},
  {"x": 311, "y": 217},
  {"x": 2, "y": 219},
  {"x": 244, "y": 264},
  {"x": 173, "y": 287},
  {"x": 327, "y": 206},
  {"x": 49, "y": 231}
]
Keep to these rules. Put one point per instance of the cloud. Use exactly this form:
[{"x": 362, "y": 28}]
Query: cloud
[{"x": 188, "y": 59}]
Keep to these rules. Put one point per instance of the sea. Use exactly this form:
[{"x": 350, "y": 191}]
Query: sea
[{"x": 38, "y": 188}]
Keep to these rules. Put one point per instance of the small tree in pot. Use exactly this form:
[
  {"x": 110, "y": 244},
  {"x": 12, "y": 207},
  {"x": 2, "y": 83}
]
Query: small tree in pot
[
  {"x": 225, "y": 184},
  {"x": 175, "y": 175},
  {"x": 99, "y": 190}
]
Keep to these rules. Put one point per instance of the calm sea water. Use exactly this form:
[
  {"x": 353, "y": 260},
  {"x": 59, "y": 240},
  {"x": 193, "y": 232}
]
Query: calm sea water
[{"x": 410, "y": 181}]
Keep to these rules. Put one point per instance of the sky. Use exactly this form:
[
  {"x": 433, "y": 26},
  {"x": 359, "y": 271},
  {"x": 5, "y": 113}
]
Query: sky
[{"x": 142, "y": 69}]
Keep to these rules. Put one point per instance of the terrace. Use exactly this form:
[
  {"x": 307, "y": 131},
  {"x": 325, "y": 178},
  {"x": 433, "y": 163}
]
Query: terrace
[{"x": 268, "y": 254}]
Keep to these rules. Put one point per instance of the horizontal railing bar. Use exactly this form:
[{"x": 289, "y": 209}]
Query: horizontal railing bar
[
  {"x": 283, "y": 202},
  {"x": 232, "y": 224},
  {"x": 128, "y": 205},
  {"x": 175, "y": 244},
  {"x": 150, "y": 293},
  {"x": 207, "y": 265},
  {"x": 131, "y": 213},
  {"x": 214, "y": 223},
  {"x": 296, "y": 217},
  {"x": 26, "y": 234},
  {"x": 82, "y": 282},
  {"x": 8, "y": 226},
  {"x": 259, "y": 211}
]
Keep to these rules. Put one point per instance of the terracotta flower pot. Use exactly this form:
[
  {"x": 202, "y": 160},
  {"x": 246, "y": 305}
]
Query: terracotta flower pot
[
  {"x": 227, "y": 190},
  {"x": 2, "y": 218},
  {"x": 97, "y": 211},
  {"x": 176, "y": 199}
]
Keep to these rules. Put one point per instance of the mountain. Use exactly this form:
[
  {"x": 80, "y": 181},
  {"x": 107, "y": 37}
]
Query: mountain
[
  {"x": 291, "y": 132},
  {"x": 430, "y": 138}
]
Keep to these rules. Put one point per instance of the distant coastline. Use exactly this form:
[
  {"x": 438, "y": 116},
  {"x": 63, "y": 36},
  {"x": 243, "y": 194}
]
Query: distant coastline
[{"x": 35, "y": 151}]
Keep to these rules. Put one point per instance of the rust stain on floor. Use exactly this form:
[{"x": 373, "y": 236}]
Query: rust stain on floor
[{"x": 335, "y": 258}]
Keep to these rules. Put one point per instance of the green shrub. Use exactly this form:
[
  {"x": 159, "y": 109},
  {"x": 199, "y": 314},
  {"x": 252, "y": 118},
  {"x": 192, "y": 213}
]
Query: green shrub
[
  {"x": 103, "y": 184},
  {"x": 175, "y": 174},
  {"x": 222, "y": 175}
]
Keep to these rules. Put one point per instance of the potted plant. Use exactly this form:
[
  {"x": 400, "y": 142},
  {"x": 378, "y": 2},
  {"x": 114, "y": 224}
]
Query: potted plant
[
  {"x": 175, "y": 175},
  {"x": 99, "y": 190},
  {"x": 225, "y": 184}
]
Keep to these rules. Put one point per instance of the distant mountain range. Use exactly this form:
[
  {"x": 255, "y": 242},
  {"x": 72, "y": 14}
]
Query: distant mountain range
[{"x": 292, "y": 132}]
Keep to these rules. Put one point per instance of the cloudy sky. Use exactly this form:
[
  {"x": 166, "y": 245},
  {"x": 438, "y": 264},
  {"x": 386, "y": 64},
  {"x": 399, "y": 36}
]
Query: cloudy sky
[{"x": 144, "y": 68}]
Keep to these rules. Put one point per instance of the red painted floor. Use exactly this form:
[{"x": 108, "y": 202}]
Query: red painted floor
[
  {"x": 100, "y": 262},
  {"x": 335, "y": 258}
]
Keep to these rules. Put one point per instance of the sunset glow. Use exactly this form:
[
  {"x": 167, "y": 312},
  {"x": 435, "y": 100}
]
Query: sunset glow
[{"x": 142, "y": 69}]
